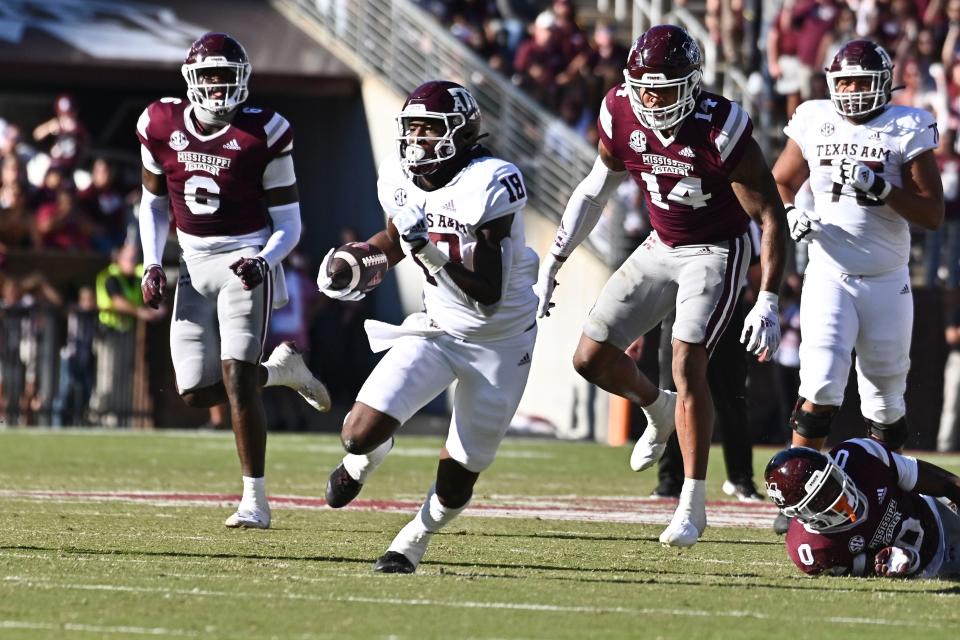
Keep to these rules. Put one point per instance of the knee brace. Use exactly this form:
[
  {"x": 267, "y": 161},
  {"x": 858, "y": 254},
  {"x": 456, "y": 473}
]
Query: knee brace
[
  {"x": 892, "y": 436},
  {"x": 811, "y": 425}
]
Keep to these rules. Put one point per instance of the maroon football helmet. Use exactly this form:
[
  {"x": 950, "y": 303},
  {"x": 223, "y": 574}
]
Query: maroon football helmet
[
  {"x": 809, "y": 486},
  {"x": 449, "y": 103},
  {"x": 663, "y": 57},
  {"x": 217, "y": 51},
  {"x": 860, "y": 58}
]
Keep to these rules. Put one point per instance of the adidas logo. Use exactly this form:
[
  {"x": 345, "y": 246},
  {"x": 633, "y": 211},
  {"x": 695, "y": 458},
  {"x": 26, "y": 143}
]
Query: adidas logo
[
  {"x": 881, "y": 494},
  {"x": 524, "y": 360},
  {"x": 905, "y": 290},
  {"x": 233, "y": 145},
  {"x": 687, "y": 152},
  {"x": 704, "y": 251},
  {"x": 449, "y": 206}
]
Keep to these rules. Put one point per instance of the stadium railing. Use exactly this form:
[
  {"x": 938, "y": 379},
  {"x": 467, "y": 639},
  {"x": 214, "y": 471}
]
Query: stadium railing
[{"x": 404, "y": 46}]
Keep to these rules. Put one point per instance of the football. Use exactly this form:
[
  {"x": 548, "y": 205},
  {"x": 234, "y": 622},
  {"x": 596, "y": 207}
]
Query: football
[{"x": 358, "y": 266}]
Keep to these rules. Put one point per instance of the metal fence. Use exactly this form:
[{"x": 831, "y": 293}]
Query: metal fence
[
  {"x": 404, "y": 46},
  {"x": 45, "y": 381}
]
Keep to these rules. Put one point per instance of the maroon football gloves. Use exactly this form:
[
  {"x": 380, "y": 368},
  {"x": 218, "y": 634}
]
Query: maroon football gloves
[
  {"x": 153, "y": 285},
  {"x": 251, "y": 271}
]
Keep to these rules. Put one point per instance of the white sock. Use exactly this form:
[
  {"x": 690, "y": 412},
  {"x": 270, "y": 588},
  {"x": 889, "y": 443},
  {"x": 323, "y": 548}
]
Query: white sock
[
  {"x": 693, "y": 501},
  {"x": 657, "y": 414},
  {"x": 361, "y": 467},
  {"x": 270, "y": 376},
  {"x": 413, "y": 538},
  {"x": 254, "y": 492}
]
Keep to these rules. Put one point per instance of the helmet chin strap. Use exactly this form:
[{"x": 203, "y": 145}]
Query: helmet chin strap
[{"x": 212, "y": 119}]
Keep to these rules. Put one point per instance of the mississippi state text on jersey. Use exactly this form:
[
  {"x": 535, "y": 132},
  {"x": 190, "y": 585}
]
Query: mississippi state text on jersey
[
  {"x": 215, "y": 181},
  {"x": 859, "y": 234},
  {"x": 486, "y": 189},
  {"x": 893, "y": 516},
  {"x": 685, "y": 179}
]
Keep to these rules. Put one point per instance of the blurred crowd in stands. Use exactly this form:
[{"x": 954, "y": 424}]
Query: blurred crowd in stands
[{"x": 61, "y": 349}]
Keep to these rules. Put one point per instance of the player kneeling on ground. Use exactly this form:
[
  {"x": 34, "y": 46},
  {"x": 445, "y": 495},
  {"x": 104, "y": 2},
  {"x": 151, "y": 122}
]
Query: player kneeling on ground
[
  {"x": 456, "y": 212},
  {"x": 865, "y": 510}
]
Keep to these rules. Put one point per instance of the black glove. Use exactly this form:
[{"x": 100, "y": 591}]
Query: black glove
[
  {"x": 153, "y": 285},
  {"x": 251, "y": 271}
]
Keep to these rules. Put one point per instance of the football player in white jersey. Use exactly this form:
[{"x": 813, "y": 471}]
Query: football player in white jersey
[
  {"x": 456, "y": 211},
  {"x": 872, "y": 172}
]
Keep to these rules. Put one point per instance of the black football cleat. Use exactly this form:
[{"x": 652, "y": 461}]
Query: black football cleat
[
  {"x": 394, "y": 562},
  {"x": 781, "y": 524},
  {"x": 341, "y": 488}
]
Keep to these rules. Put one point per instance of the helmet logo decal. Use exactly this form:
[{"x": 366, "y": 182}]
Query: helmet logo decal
[
  {"x": 775, "y": 494},
  {"x": 463, "y": 102},
  {"x": 400, "y": 197},
  {"x": 178, "y": 140},
  {"x": 856, "y": 544},
  {"x": 638, "y": 141}
]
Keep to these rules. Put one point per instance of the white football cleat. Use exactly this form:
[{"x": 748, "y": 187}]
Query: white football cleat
[
  {"x": 680, "y": 533},
  {"x": 686, "y": 527},
  {"x": 660, "y": 424},
  {"x": 255, "y": 518},
  {"x": 288, "y": 369}
]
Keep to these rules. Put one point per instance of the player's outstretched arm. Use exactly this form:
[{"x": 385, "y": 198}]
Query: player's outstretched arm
[
  {"x": 757, "y": 192},
  {"x": 580, "y": 216},
  {"x": 936, "y": 482}
]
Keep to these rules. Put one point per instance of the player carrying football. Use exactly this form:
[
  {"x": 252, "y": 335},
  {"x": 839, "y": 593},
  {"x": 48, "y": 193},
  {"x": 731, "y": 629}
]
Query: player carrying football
[
  {"x": 216, "y": 166},
  {"x": 872, "y": 171},
  {"x": 692, "y": 154},
  {"x": 457, "y": 212}
]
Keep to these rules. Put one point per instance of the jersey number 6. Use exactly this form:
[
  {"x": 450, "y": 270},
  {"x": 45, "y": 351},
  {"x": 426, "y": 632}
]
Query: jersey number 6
[{"x": 201, "y": 195}]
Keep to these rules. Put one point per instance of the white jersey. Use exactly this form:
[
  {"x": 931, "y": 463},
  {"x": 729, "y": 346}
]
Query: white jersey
[
  {"x": 486, "y": 189},
  {"x": 859, "y": 235}
]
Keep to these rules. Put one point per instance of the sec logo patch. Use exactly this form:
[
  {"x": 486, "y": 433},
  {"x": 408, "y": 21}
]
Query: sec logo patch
[
  {"x": 856, "y": 544},
  {"x": 638, "y": 141},
  {"x": 827, "y": 129},
  {"x": 178, "y": 140},
  {"x": 400, "y": 197}
]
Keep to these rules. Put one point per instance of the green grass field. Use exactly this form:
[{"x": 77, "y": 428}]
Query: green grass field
[{"x": 79, "y": 566}]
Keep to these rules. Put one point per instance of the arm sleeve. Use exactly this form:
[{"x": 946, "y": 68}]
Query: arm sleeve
[
  {"x": 585, "y": 206},
  {"x": 286, "y": 233},
  {"x": 154, "y": 220}
]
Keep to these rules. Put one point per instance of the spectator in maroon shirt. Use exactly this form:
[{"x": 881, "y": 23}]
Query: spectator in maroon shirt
[
  {"x": 539, "y": 59},
  {"x": 604, "y": 65},
  {"x": 61, "y": 224},
  {"x": 790, "y": 77},
  {"x": 68, "y": 134},
  {"x": 105, "y": 204}
]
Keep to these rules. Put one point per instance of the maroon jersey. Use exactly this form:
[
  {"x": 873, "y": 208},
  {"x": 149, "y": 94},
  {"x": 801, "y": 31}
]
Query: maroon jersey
[
  {"x": 215, "y": 181},
  {"x": 686, "y": 180},
  {"x": 894, "y": 516}
]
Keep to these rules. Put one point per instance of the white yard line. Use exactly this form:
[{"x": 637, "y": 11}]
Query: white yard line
[
  {"x": 622, "y": 509},
  {"x": 96, "y": 628},
  {"x": 462, "y": 604}
]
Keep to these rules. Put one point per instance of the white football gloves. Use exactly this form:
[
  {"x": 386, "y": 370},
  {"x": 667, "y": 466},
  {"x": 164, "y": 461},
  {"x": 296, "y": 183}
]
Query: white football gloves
[
  {"x": 546, "y": 283},
  {"x": 896, "y": 562},
  {"x": 761, "y": 327},
  {"x": 411, "y": 224},
  {"x": 801, "y": 222},
  {"x": 324, "y": 282},
  {"x": 860, "y": 177}
]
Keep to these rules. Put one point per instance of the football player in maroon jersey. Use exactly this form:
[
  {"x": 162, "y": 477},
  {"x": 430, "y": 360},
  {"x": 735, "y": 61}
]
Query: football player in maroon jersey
[
  {"x": 865, "y": 510},
  {"x": 703, "y": 177},
  {"x": 226, "y": 174}
]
